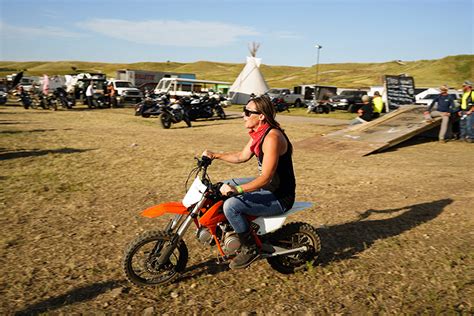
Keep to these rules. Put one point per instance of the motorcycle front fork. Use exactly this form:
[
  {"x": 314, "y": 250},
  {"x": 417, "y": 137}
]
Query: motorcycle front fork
[
  {"x": 173, "y": 223},
  {"x": 181, "y": 230}
]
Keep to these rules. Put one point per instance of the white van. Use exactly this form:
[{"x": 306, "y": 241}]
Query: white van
[
  {"x": 427, "y": 97},
  {"x": 181, "y": 87}
]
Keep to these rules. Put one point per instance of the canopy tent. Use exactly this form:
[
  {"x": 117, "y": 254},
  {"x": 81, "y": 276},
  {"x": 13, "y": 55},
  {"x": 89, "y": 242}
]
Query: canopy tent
[{"x": 250, "y": 80}]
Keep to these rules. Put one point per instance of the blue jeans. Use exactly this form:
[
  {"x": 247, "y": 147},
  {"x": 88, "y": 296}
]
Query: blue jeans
[
  {"x": 466, "y": 126},
  {"x": 256, "y": 203}
]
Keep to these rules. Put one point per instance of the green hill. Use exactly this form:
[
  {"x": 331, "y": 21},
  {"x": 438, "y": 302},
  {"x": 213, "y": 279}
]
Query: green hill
[{"x": 451, "y": 70}]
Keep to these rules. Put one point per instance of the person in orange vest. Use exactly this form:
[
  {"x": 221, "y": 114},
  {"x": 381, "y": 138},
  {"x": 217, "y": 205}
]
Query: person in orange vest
[{"x": 466, "y": 113}]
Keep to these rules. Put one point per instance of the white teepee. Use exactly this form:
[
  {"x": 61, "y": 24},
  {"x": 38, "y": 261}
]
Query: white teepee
[{"x": 250, "y": 80}]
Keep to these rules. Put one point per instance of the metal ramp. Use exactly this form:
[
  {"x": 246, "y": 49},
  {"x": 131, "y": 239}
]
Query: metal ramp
[{"x": 377, "y": 135}]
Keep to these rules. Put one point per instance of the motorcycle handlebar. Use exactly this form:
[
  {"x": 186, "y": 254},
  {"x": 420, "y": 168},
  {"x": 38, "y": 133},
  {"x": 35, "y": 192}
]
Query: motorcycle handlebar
[{"x": 204, "y": 161}]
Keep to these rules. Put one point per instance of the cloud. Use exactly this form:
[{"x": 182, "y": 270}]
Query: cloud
[
  {"x": 287, "y": 35},
  {"x": 12, "y": 31},
  {"x": 170, "y": 32}
]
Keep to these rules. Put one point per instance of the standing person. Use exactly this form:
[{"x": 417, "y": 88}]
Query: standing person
[
  {"x": 273, "y": 191},
  {"x": 445, "y": 107},
  {"x": 89, "y": 94},
  {"x": 365, "y": 111},
  {"x": 378, "y": 104},
  {"x": 466, "y": 113},
  {"x": 111, "y": 95},
  {"x": 45, "y": 88}
]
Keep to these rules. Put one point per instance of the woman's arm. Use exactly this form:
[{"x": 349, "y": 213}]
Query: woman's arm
[{"x": 232, "y": 157}]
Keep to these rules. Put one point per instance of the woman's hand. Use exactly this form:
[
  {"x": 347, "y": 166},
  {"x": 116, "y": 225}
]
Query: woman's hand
[
  {"x": 209, "y": 154},
  {"x": 227, "y": 190}
]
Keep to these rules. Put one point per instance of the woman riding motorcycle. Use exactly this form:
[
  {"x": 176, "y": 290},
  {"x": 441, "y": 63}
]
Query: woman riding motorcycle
[{"x": 273, "y": 191}]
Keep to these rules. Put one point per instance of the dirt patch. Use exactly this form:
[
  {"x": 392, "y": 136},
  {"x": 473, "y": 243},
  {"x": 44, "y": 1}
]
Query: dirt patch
[{"x": 397, "y": 227}]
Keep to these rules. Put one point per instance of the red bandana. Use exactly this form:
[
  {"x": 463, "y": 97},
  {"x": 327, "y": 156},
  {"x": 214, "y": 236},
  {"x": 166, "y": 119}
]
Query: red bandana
[{"x": 257, "y": 137}]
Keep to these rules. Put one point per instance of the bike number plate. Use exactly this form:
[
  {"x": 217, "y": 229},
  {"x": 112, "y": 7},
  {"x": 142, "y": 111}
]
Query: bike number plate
[{"x": 194, "y": 193}]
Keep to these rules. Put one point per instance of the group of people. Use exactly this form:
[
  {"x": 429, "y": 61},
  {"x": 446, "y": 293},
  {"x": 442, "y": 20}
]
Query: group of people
[
  {"x": 457, "y": 119},
  {"x": 457, "y": 122},
  {"x": 110, "y": 95},
  {"x": 370, "y": 109}
]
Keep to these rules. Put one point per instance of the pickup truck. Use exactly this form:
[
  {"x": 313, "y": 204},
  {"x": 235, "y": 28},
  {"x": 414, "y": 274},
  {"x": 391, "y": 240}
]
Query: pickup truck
[
  {"x": 126, "y": 92},
  {"x": 287, "y": 96},
  {"x": 349, "y": 100}
]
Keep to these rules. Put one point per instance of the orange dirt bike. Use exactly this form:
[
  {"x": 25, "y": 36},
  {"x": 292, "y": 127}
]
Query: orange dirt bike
[{"x": 156, "y": 257}]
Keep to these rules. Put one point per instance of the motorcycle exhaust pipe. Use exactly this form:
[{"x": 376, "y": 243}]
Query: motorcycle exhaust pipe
[{"x": 282, "y": 251}]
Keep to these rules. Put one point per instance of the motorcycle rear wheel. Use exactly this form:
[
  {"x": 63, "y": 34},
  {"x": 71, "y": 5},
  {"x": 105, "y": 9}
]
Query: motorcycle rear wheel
[
  {"x": 165, "y": 120},
  {"x": 140, "y": 258},
  {"x": 294, "y": 235}
]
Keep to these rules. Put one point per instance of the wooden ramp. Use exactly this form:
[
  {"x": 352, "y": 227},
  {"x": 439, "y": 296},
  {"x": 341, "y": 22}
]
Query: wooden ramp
[{"x": 377, "y": 135}]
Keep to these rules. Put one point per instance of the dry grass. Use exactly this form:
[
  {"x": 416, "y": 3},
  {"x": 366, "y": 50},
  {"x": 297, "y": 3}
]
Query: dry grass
[{"x": 397, "y": 227}]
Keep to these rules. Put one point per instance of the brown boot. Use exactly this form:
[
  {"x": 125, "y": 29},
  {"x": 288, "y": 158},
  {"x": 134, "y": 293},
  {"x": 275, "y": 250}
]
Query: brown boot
[{"x": 248, "y": 252}]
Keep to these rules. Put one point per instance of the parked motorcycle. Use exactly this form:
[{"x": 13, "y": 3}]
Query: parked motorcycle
[
  {"x": 174, "y": 113},
  {"x": 159, "y": 256},
  {"x": 319, "y": 107},
  {"x": 63, "y": 98},
  {"x": 25, "y": 98},
  {"x": 98, "y": 101},
  {"x": 3, "y": 97},
  {"x": 203, "y": 107},
  {"x": 280, "y": 105},
  {"x": 151, "y": 105}
]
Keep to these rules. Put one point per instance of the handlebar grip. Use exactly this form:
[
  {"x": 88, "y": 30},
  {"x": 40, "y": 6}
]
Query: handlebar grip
[{"x": 205, "y": 161}]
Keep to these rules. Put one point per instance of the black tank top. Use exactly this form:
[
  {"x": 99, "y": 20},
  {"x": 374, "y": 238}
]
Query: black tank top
[{"x": 283, "y": 183}]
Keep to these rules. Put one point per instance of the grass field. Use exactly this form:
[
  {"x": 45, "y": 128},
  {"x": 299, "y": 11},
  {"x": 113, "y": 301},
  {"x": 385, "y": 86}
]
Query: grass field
[
  {"x": 451, "y": 70},
  {"x": 397, "y": 228}
]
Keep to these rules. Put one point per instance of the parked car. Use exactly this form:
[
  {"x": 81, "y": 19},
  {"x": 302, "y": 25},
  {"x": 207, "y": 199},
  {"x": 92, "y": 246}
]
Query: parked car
[
  {"x": 349, "y": 100},
  {"x": 285, "y": 94},
  {"x": 126, "y": 92}
]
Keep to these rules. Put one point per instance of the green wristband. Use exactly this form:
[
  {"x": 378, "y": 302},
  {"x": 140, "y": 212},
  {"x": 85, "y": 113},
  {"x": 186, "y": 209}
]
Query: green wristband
[{"x": 239, "y": 189}]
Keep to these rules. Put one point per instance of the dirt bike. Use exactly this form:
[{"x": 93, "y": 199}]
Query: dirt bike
[{"x": 159, "y": 256}]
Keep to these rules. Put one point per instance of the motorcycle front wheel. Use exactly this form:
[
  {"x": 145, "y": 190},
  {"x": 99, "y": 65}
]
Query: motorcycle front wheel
[
  {"x": 165, "y": 119},
  {"x": 290, "y": 236},
  {"x": 140, "y": 261},
  {"x": 221, "y": 114},
  {"x": 187, "y": 121}
]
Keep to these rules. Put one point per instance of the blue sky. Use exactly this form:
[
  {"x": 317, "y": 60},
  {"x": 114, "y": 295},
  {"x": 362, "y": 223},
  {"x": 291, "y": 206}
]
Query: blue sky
[{"x": 188, "y": 31}]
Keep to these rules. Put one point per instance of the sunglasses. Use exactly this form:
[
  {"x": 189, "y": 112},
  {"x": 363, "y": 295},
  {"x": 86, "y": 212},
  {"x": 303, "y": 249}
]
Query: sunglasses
[{"x": 250, "y": 112}]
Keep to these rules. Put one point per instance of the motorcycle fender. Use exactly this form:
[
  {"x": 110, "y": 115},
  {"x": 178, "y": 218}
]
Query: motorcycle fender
[
  {"x": 271, "y": 223},
  {"x": 163, "y": 208}
]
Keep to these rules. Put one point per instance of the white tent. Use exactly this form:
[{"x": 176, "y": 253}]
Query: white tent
[{"x": 250, "y": 80}]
